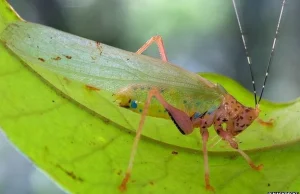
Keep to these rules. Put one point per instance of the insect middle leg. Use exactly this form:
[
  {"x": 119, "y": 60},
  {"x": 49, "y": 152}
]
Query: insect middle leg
[
  {"x": 205, "y": 135},
  {"x": 160, "y": 44},
  {"x": 228, "y": 137},
  {"x": 181, "y": 119}
]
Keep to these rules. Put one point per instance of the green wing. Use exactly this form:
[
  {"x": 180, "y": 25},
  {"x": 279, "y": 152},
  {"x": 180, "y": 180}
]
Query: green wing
[{"x": 109, "y": 68}]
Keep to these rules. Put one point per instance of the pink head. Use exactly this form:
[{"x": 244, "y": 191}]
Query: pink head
[{"x": 239, "y": 116}]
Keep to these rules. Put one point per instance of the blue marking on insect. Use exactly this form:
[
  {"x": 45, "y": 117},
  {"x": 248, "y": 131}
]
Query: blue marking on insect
[
  {"x": 197, "y": 115},
  {"x": 211, "y": 110},
  {"x": 133, "y": 104}
]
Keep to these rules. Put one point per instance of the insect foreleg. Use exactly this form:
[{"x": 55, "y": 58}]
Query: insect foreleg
[
  {"x": 180, "y": 118},
  {"x": 225, "y": 135},
  {"x": 228, "y": 137},
  {"x": 250, "y": 162},
  {"x": 160, "y": 44}
]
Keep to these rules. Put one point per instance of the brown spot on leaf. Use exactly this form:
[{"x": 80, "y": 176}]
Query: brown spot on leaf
[
  {"x": 174, "y": 152},
  {"x": 233, "y": 157},
  {"x": 119, "y": 172},
  {"x": 70, "y": 174}
]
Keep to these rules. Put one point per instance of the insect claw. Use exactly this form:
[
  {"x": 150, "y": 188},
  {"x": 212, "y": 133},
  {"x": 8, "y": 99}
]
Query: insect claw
[
  {"x": 268, "y": 123},
  {"x": 207, "y": 185},
  {"x": 209, "y": 188},
  {"x": 233, "y": 144},
  {"x": 258, "y": 167},
  {"x": 123, "y": 185}
]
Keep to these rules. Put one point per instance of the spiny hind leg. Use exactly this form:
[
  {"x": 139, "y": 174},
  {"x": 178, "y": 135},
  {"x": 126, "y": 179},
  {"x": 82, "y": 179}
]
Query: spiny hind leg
[
  {"x": 228, "y": 137},
  {"x": 205, "y": 135},
  {"x": 160, "y": 44},
  {"x": 180, "y": 118}
]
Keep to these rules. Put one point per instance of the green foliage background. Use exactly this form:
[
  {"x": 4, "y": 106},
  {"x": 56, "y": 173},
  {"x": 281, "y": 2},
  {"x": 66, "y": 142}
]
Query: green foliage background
[{"x": 83, "y": 140}]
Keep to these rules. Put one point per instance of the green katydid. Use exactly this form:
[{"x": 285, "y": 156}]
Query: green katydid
[{"x": 156, "y": 87}]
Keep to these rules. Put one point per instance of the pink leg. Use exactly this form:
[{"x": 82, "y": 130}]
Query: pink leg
[
  {"x": 250, "y": 162},
  {"x": 160, "y": 44},
  {"x": 226, "y": 136},
  {"x": 268, "y": 123},
  {"x": 181, "y": 119},
  {"x": 205, "y": 135}
]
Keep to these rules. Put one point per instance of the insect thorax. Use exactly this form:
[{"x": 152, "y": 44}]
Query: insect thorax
[{"x": 236, "y": 116}]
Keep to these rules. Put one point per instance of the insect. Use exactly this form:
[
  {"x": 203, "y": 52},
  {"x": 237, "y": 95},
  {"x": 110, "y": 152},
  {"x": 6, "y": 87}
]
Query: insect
[{"x": 156, "y": 87}]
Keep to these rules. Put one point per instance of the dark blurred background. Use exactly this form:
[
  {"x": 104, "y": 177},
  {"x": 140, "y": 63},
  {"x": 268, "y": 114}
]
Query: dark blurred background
[{"x": 199, "y": 35}]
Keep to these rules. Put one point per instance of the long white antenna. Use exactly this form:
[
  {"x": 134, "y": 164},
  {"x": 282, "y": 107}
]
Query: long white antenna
[
  {"x": 272, "y": 51},
  {"x": 246, "y": 50}
]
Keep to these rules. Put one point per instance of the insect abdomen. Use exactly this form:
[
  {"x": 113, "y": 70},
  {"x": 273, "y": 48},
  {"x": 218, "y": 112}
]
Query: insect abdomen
[{"x": 133, "y": 98}]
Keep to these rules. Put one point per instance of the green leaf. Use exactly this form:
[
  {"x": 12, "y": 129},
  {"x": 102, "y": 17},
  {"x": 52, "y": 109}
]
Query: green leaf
[{"x": 82, "y": 139}]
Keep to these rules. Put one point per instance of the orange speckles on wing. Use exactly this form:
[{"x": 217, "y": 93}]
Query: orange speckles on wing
[
  {"x": 92, "y": 88},
  {"x": 268, "y": 123},
  {"x": 99, "y": 47},
  {"x": 67, "y": 80},
  {"x": 41, "y": 59},
  {"x": 56, "y": 58},
  {"x": 68, "y": 57}
]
